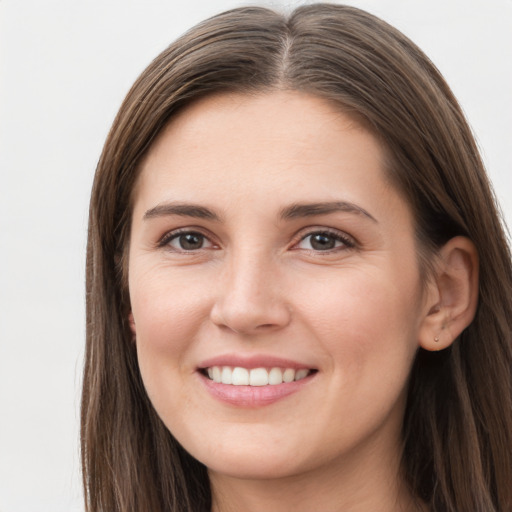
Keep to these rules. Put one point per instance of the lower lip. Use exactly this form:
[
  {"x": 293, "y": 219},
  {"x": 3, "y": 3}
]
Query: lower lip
[{"x": 253, "y": 396}]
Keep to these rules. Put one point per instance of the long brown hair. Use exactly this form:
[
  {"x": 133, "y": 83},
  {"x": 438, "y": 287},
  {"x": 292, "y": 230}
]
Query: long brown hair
[{"x": 458, "y": 422}]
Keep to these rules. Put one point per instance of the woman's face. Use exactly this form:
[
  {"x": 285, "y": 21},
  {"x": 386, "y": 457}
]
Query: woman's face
[{"x": 267, "y": 245}]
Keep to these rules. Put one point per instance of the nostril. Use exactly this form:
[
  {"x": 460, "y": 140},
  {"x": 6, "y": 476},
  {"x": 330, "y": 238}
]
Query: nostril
[{"x": 243, "y": 316}]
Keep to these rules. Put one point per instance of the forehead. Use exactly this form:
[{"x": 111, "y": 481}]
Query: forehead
[
  {"x": 271, "y": 132},
  {"x": 257, "y": 110}
]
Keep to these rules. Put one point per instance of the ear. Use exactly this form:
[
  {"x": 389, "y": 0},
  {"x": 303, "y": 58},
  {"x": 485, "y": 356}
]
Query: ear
[
  {"x": 452, "y": 294},
  {"x": 131, "y": 321}
]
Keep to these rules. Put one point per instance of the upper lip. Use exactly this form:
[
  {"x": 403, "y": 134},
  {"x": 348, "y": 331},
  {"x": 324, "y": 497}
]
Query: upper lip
[{"x": 253, "y": 361}]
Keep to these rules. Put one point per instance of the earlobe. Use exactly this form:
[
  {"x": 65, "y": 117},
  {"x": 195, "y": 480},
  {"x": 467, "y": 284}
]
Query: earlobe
[
  {"x": 131, "y": 321},
  {"x": 452, "y": 295}
]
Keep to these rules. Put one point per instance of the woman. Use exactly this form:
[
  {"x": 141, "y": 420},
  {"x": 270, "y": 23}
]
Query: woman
[{"x": 298, "y": 285}]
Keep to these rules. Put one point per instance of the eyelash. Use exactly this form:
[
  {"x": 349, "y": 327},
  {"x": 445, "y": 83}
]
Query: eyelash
[
  {"x": 176, "y": 234},
  {"x": 345, "y": 241}
]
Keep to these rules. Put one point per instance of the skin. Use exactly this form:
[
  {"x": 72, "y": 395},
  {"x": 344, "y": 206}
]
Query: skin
[{"x": 356, "y": 313}]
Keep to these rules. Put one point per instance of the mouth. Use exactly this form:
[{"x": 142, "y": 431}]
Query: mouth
[
  {"x": 256, "y": 377},
  {"x": 253, "y": 381}
]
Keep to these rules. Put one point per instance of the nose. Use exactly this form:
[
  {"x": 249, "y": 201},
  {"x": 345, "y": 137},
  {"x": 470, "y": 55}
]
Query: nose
[{"x": 251, "y": 297}]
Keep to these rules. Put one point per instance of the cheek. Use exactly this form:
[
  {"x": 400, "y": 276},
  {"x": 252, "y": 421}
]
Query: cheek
[
  {"x": 169, "y": 315},
  {"x": 164, "y": 307},
  {"x": 367, "y": 319},
  {"x": 367, "y": 327}
]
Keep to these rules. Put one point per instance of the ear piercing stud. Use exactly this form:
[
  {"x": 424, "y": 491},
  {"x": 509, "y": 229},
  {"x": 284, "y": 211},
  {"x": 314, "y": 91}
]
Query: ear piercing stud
[{"x": 436, "y": 338}]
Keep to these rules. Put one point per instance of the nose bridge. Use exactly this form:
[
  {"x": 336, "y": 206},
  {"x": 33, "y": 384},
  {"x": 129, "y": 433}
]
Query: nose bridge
[{"x": 249, "y": 295}]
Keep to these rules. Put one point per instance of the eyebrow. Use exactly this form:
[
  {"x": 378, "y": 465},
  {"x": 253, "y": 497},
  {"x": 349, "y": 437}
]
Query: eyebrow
[
  {"x": 181, "y": 209},
  {"x": 294, "y": 211},
  {"x": 298, "y": 210}
]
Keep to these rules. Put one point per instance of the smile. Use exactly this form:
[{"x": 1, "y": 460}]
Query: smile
[
  {"x": 254, "y": 381},
  {"x": 239, "y": 376}
]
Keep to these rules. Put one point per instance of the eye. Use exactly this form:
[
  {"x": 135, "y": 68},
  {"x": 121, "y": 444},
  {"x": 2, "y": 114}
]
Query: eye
[
  {"x": 187, "y": 241},
  {"x": 324, "y": 241}
]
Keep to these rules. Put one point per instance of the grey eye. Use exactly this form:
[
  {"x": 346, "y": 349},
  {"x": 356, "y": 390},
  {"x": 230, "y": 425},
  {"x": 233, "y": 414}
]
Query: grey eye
[
  {"x": 323, "y": 241},
  {"x": 189, "y": 242}
]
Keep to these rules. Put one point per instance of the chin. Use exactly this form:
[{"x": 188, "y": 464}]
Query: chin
[
  {"x": 254, "y": 458},
  {"x": 255, "y": 467}
]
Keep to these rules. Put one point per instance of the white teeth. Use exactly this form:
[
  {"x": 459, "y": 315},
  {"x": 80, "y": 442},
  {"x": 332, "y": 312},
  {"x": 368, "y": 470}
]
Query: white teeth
[
  {"x": 275, "y": 376},
  {"x": 238, "y": 376},
  {"x": 217, "y": 374},
  {"x": 258, "y": 377},
  {"x": 289, "y": 375},
  {"x": 300, "y": 374},
  {"x": 226, "y": 375}
]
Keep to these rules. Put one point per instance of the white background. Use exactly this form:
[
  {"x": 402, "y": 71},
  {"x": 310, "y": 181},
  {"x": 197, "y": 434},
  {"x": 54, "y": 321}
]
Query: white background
[{"x": 65, "y": 67}]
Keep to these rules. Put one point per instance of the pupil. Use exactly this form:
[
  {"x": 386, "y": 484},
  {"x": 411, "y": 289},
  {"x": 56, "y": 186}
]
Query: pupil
[
  {"x": 322, "y": 242},
  {"x": 191, "y": 241}
]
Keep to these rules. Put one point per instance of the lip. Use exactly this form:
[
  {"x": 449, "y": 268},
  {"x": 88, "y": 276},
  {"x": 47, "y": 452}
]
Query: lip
[
  {"x": 253, "y": 396},
  {"x": 250, "y": 362}
]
